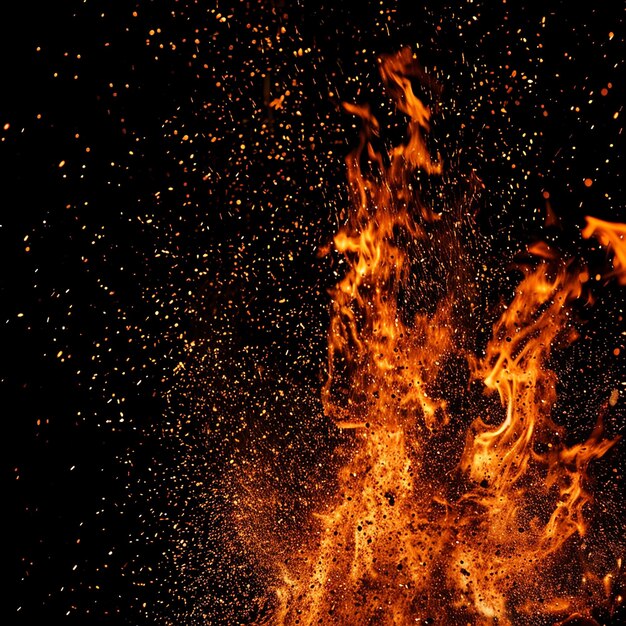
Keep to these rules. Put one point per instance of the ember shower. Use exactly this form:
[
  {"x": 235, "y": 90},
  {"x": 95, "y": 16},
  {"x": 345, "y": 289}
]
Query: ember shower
[
  {"x": 447, "y": 488},
  {"x": 443, "y": 510},
  {"x": 311, "y": 327}
]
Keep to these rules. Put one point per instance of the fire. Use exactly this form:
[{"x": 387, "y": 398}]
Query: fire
[
  {"x": 426, "y": 526},
  {"x": 612, "y": 236}
]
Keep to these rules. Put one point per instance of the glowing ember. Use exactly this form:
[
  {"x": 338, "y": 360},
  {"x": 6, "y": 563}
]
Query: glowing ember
[{"x": 432, "y": 519}]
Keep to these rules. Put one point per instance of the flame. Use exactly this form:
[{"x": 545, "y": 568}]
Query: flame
[
  {"x": 422, "y": 527},
  {"x": 610, "y": 235}
]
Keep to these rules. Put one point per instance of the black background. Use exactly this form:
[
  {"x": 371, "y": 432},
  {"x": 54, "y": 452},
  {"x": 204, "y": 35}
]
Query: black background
[{"x": 119, "y": 260}]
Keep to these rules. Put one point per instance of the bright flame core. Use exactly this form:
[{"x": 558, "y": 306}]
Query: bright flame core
[{"x": 497, "y": 539}]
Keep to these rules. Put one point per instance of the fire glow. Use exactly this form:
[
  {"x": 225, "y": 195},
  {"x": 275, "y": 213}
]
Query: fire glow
[{"x": 431, "y": 522}]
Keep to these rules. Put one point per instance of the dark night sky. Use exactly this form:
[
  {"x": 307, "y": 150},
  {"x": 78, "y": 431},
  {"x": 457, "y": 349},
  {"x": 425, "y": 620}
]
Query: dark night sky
[{"x": 159, "y": 232}]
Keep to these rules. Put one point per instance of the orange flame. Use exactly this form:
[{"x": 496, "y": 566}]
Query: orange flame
[
  {"x": 613, "y": 236},
  {"x": 419, "y": 528}
]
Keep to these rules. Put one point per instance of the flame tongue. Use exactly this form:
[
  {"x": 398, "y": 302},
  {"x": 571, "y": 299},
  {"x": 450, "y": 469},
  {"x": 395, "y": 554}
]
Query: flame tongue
[
  {"x": 613, "y": 236},
  {"x": 515, "y": 367},
  {"x": 382, "y": 365},
  {"x": 518, "y": 539},
  {"x": 481, "y": 539}
]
